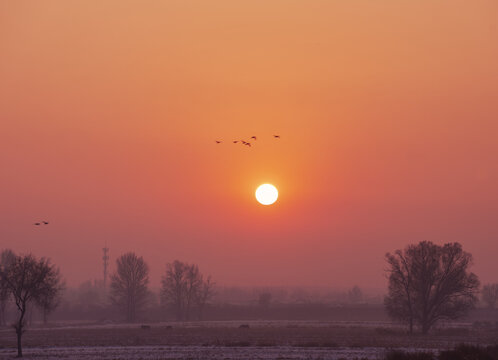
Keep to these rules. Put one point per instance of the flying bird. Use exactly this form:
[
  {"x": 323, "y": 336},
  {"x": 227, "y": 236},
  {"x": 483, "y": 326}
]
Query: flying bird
[
  {"x": 36, "y": 224},
  {"x": 248, "y": 144},
  {"x": 243, "y": 142},
  {"x": 235, "y": 141},
  {"x": 45, "y": 222},
  {"x": 276, "y": 136},
  {"x": 218, "y": 142},
  {"x": 253, "y": 137}
]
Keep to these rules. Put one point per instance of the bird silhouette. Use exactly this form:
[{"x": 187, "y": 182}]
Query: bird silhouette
[
  {"x": 36, "y": 224},
  {"x": 45, "y": 222},
  {"x": 254, "y": 137}
]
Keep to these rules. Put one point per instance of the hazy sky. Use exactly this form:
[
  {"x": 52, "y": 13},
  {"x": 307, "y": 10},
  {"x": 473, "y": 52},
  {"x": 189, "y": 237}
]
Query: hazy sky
[{"x": 388, "y": 112}]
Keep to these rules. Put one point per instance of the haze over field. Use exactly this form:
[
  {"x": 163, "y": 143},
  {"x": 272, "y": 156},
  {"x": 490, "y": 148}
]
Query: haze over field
[{"x": 387, "y": 111}]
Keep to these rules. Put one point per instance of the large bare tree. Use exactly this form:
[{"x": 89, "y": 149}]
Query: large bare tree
[
  {"x": 28, "y": 280},
  {"x": 129, "y": 285},
  {"x": 489, "y": 295},
  {"x": 184, "y": 286},
  {"x": 428, "y": 283},
  {"x": 7, "y": 257}
]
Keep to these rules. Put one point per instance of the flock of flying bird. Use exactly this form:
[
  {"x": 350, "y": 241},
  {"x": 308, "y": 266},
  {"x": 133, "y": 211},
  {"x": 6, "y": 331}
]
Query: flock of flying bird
[{"x": 246, "y": 143}]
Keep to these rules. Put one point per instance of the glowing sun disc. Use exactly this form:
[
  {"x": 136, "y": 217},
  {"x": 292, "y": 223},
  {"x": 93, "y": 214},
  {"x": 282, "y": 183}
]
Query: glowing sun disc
[{"x": 266, "y": 194}]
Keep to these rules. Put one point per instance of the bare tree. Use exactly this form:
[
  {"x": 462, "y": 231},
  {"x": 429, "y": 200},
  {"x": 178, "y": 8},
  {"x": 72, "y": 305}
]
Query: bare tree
[
  {"x": 183, "y": 287},
  {"x": 129, "y": 285},
  {"x": 489, "y": 295},
  {"x": 7, "y": 257},
  {"x": 204, "y": 295},
  {"x": 193, "y": 285},
  {"x": 174, "y": 287},
  {"x": 51, "y": 298},
  {"x": 28, "y": 280},
  {"x": 428, "y": 283}
]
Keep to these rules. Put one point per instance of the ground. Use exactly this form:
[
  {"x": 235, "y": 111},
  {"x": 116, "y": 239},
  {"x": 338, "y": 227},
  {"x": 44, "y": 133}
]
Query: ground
[{"x": 214, "y": 340}]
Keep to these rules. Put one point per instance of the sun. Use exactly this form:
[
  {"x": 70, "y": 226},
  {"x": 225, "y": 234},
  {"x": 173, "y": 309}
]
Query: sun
[{"x": 266, "y": 194}]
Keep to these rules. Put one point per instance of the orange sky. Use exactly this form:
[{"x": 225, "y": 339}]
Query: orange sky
[{"x": 388, "y": 112}]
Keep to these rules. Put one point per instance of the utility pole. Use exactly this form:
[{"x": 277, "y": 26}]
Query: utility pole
[{"x": 105, "y": 257}]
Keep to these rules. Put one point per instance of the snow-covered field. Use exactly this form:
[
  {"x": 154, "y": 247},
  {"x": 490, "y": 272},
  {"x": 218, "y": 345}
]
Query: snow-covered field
[
  {"x": 196, "y": 352},
  {"x": 228, "y": 340}
]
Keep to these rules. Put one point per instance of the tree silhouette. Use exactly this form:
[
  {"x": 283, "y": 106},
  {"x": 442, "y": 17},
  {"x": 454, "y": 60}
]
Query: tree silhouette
[
  {"x": 7, "y": 257},
  {"x": 174, "y": 287},
  {"x": 428, "y": 283},
  {"x": 50, "y": 300},
  {"x": 183, "y": 286},
  {"x": 28, "y": 280},
  {"x": 204, "y": 294},
  {"x": 129, "y": 285},
  {"x": 489, "y": 295}
]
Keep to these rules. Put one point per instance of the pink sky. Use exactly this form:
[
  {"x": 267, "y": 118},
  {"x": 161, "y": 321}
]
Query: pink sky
[{"x": 388, "y": 113}]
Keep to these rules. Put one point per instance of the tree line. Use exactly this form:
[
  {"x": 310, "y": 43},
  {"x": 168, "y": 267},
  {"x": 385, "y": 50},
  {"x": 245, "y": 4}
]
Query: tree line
[
  {"x": 29, "y": 281},
  {"x": 427, "y": 283},
  {"x": 183, "y": 287}
]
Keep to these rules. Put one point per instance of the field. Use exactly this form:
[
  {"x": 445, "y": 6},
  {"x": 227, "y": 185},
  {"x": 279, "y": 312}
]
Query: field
[{"x": 215, "y": 340}]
